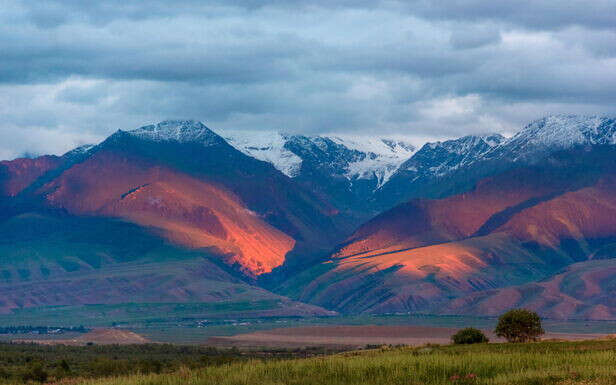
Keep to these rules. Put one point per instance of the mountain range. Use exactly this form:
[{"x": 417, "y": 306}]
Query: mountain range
[{"x": 318, "y": 225}]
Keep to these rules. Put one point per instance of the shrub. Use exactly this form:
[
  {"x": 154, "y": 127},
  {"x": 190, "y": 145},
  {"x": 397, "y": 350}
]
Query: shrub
[
  {"x": 106, "y": 367},
  {"x": 62, "y": 369},
  {"x": 146, "y": 366},
  {"x": 64, "y": 366},
  {"x": 34, "y": 372},
  {"x": 469, "y": 336},
  {"x": 519, "y": 325}
]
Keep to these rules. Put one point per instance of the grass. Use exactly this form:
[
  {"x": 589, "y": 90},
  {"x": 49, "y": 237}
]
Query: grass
[
  {"x": 589, "y": 362},
  {"x": 75, "y": 364}
]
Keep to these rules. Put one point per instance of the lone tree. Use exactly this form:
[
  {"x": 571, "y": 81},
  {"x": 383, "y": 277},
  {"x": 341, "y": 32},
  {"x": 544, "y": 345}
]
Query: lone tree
[
  {"x": 469, "y": 336},
  {"x": 519, "y": 325}
]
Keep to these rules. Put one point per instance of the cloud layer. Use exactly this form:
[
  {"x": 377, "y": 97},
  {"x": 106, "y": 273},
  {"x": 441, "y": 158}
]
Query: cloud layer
[{"x": 72, "y": 72}]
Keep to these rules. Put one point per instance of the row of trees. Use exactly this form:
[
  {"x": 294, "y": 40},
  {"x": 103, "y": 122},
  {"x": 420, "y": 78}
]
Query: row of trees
[
  {"x": 518, "y": 325},
  {"x": 25, "y": 329}
]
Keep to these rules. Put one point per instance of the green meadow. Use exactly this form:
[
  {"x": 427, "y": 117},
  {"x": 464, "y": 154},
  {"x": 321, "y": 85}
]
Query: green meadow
[{"x": 588, "y": 362}]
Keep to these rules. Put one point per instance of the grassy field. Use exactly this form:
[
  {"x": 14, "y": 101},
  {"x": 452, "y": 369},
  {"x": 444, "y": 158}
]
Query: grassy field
[
  {"x": 32, "y": 363},
  {"x": 589, "y": 362}
]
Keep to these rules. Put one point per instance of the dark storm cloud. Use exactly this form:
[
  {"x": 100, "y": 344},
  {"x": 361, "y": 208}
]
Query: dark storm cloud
[
  {"x": 73, "y": 71},
  {"x": 537, "y": 14},
  {"x": 170, "y": 52}
]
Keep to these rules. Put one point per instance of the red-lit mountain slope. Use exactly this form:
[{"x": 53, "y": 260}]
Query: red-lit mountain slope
[
  {"x": 101, "y": 270},
  {"x": 186, "y": 210},
  {"x": 517, "y": 227},
  {"x": 583, "y": 290},
  {"x": 16, "y": 175},
  {"x": 184, "y": 181}
]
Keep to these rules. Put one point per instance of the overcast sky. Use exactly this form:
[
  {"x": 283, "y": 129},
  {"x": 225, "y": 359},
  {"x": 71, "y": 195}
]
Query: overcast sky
[{"x": 72, "y": 73}]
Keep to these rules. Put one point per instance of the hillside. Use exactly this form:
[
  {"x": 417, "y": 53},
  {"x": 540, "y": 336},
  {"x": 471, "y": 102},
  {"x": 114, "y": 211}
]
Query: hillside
[
  {"x": 441, "y": 169},
  {"x": 55, "y": 260},
  {"x": 186, "y": 182},
  {"x": 174, "y": 213},
  {"x": 520, "y": 226},
  {"x": 341, "y": 169},
  {"x": 168, "y": 213},
  {"x": 583, "y": 290}
]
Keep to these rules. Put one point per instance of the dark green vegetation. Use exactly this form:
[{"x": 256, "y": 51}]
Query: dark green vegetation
[
  {"x": 28, "y": 329},
  {"x": 186, "y": 323},
  {"x": 23, "y": 362},
  {"x": 48, "y": 260},
  {"x": 588, "y": 362},
  {"x": 469, "y": 336},
  {"x": 519, "y": 325}
]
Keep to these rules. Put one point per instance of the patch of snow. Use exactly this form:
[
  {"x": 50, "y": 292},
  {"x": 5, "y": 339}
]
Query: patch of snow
[
  {"x": 383, "y": 157},
  {"x": 559, "y": 132},
  {"x": 268, "y": 147},
  {"x": 183, "y": 131},
  {"x": 83, "y": 149},
  {"x": 378, "y": 157}
]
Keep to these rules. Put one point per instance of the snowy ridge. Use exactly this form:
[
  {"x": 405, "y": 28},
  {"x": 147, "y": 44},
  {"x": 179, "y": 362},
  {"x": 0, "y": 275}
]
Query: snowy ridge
[
  {"x": 469, "y": 149},
  {"x": 268, "y": 147},
  {"x": 568, "y": 130},
  {"x": 466, "y": 144},
  {"x": 383, "y": 157},
  {"x": 351, "y": 157},
  {"x": 557, "y": 132},
  {"x": 81, "y": 150},
  {"x": 441, "y": 158},
  {"x": 379, "y": 159},
  {"x": 183, "y": 131},
  {"x": 532, "y": 143}
]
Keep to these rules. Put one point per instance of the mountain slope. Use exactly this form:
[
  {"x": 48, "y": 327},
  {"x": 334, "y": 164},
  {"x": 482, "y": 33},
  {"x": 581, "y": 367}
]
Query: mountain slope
[
  {"x": 353, "y": 158},
  {"x": 520, "y": 226},
  {"x": 184, "y": 180},
  {"x": 583, "y": 290},
  {"x": 555, "y": 133},
  {"x": 167, "y": 213},
  {"x": 173, "y": 213},
  {"x": 16, "y": 175},
  {"x": 342, "y": 170},
  {"x": 187, "y": 211},
  {"x": 446, "y": 168},
  {"x": 50, "y": 259}
]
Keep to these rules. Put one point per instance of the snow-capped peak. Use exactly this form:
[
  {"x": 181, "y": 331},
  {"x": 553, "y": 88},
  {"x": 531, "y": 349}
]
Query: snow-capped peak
[
  {"x": 350, "y": 157},
  {"x": 466, "y": 144},
  {"x": 383, "y": 157},
  {"x": 568, "y": 130},
  {"x": 268, "y": 147},
  {"x": 441, "y": 158},
  {"x": 557, "y": 132},
  {"x": 183, "y": 131}
]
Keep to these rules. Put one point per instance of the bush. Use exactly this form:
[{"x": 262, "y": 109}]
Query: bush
[
  {"x": 106, "y": 367},
  {"x": 469, "y": 336},
  {"x": 146, "y": 366},
  {"x": 62, "y": 369},
  {"x": 34, "y": 372},
  {"x": 519, "y": 325}
]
